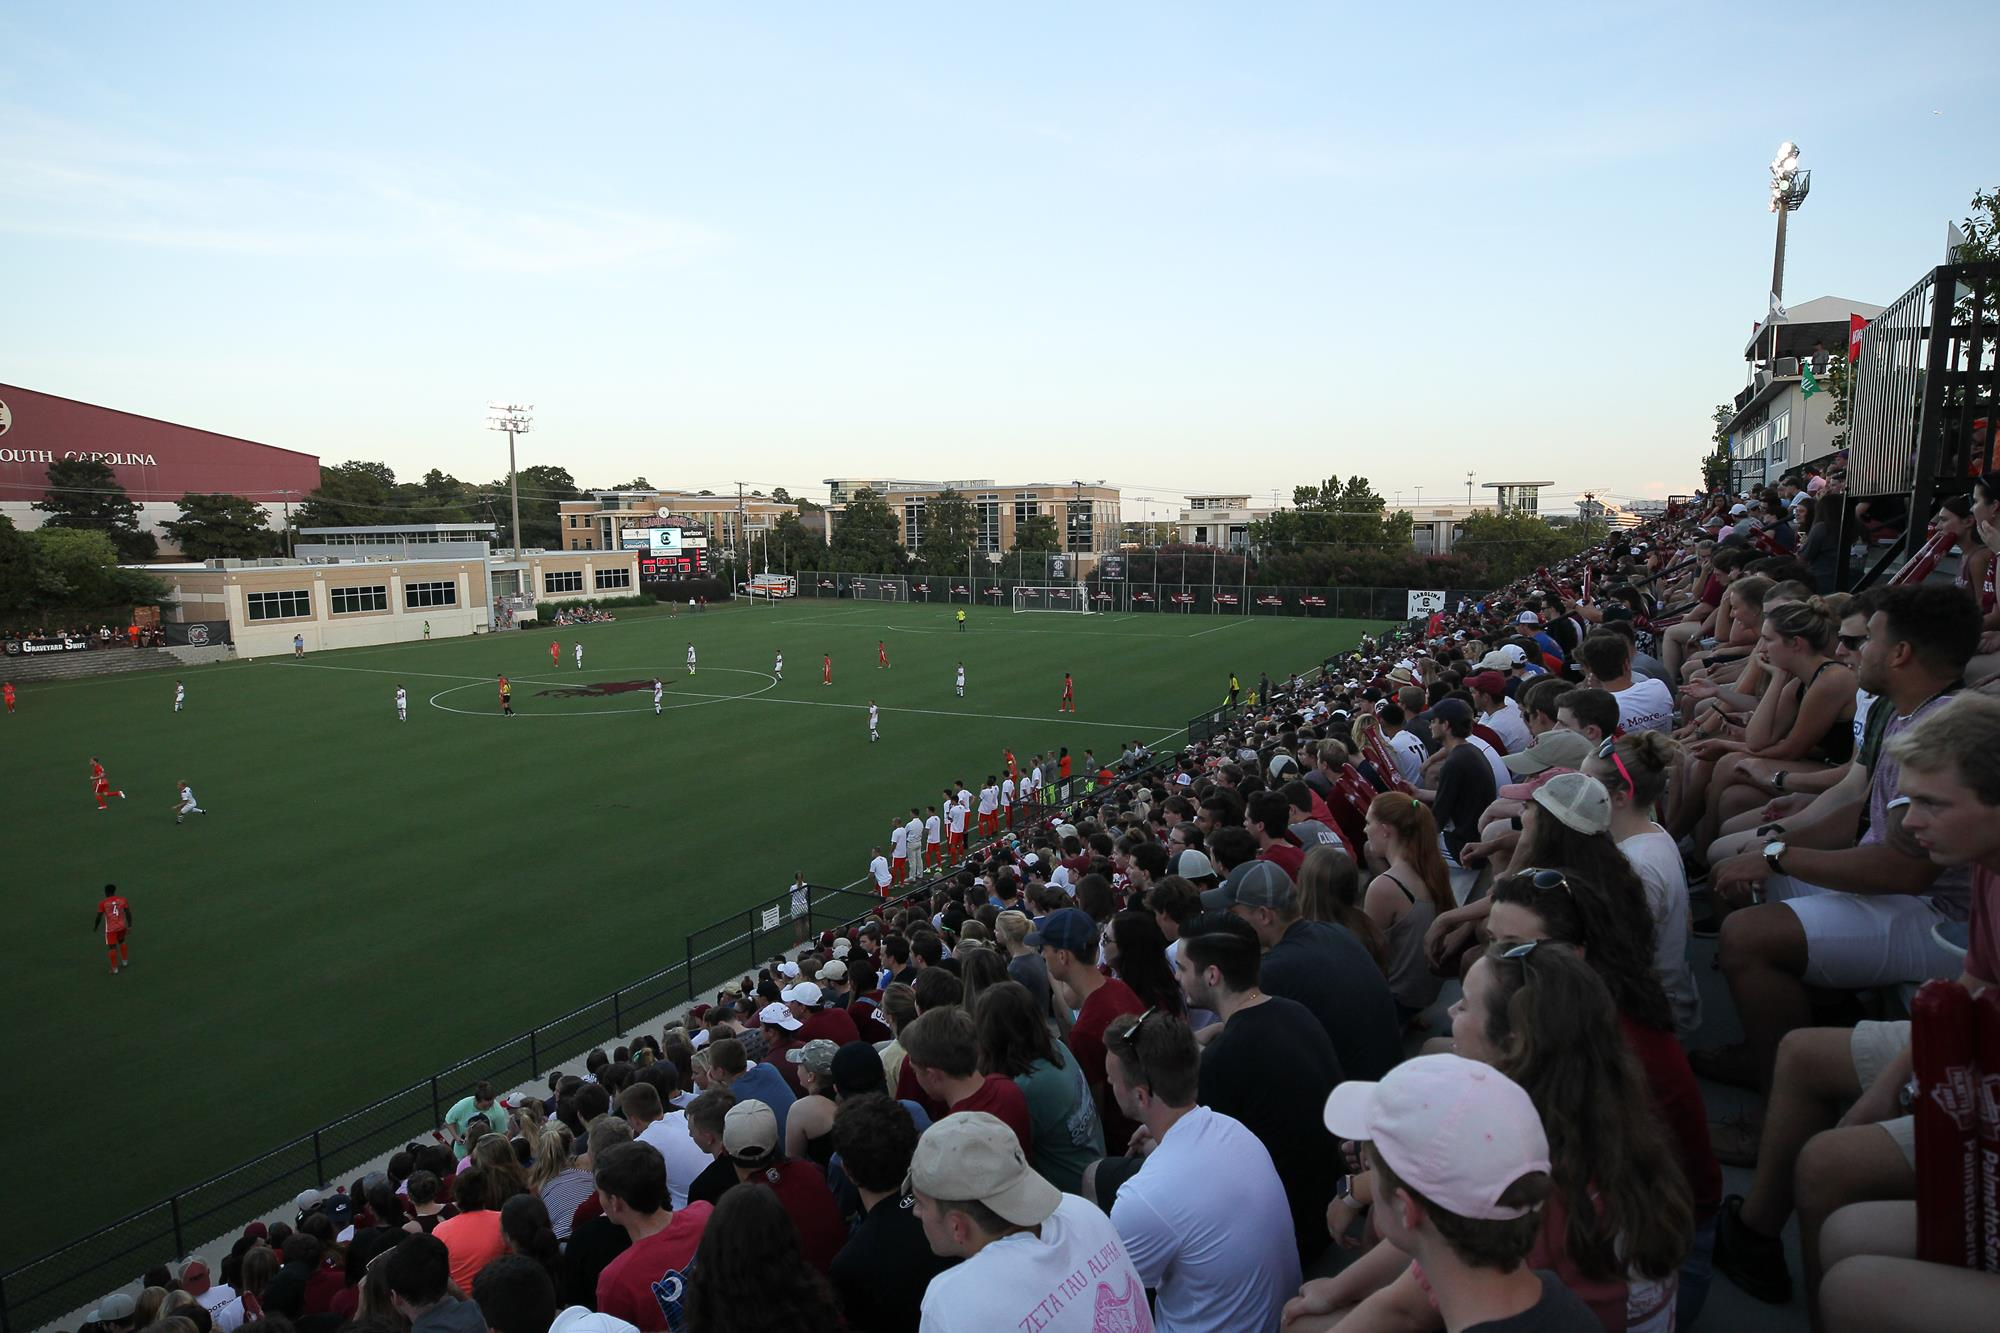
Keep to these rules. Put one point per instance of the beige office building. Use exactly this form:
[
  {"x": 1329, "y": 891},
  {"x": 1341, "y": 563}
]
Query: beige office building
[
  {"x": 724, "y": 522},
  {"x": 1087, "y": 518}
]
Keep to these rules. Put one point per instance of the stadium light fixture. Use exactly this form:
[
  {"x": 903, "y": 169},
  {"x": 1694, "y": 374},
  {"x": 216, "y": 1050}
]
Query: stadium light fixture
[
  {"x": 515, "y": 419},
  {"x": 1789, "y": 187}
]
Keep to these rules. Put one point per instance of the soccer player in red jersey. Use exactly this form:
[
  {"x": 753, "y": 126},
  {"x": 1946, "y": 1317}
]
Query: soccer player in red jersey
[
  {"x": 115, "y": 915},
  {"x": 555, "y": 653},
  {"x": 1068, "y": 703},
  {"x": 101, "y": 785},
  {"x": 826, "y": 669},
  {"x": 8, "y": 691},
  {"x": 881, "y": 653}
]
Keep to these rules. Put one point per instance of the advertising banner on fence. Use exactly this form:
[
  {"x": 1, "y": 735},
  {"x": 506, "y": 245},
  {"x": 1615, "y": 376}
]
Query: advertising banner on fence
[
  {"x": 60, "y": 643},
  {"x": 1423, "y": 601},
  {"x": 197, "y": 633}
]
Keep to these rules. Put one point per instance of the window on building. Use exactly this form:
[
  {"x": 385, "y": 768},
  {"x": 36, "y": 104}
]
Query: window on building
[
  {"x": 416, "y": 596},
  {"x": 287, "y": 604},
  {"x": 989, "y": 523},
  {"x": 613, "y": 578},
  {"x": 1025, "y": 510},
  {"x": 562, "y": 580},
  {"x": 346, "y": 601},
  {"x": 913, "y": 523},
  {"x": 1080, "y": 526}
]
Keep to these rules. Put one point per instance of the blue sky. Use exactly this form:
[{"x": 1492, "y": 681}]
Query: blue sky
[{"x": 1172, "y": 246}]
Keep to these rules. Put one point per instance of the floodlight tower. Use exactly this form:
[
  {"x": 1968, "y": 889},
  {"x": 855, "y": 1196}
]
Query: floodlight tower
[
  {"x": 1789, "y": 187},
  {"x": 515, "y": 419}
]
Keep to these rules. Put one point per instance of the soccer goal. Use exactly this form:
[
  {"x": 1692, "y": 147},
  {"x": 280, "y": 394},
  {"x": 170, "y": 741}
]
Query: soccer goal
[
  {"x": 887, "y": 590},
  {"x": 1074, "y": 598}
]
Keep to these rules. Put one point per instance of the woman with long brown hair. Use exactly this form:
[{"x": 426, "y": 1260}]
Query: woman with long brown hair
[
  {"x": 1330, "y": 891},
  {"x": 1406, "y": 897}
]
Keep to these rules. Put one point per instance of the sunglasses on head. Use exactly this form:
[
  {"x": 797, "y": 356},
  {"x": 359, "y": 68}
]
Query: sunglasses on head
[
  {"x": 1549, "y": 880},
  {"x": 1609, "y": 750}
]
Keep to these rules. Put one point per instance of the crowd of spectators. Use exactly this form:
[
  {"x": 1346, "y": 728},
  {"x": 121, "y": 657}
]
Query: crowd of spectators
[{"x": 1177, "y": 1057}]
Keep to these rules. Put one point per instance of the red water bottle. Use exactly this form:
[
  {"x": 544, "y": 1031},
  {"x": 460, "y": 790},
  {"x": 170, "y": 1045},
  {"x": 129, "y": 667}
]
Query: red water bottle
[{"x": 1942, "y": 1050}]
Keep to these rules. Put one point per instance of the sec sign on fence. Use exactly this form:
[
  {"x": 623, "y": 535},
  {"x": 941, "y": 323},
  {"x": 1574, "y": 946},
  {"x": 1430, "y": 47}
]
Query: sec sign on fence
[{"x": 1425, "y": 601}]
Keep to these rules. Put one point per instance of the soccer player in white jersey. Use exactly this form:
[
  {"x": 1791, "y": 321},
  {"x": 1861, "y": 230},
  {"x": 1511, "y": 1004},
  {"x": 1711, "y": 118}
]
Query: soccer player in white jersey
[
  {"x": 989, "y": 808},
  {"x": 899, "y": 854},
  {"x": 659, "y": 693},
  {"x": 778, "y": 666},
  {"x": 690, "y": 657},
  {"x": 961, "y": 680},
  {"x": 934, "y": 839},
  {"x": 188, "y": 806},
  {"x": 180, "y": 696},
  {"x": 874, "y": 722},
  {"x": 958, "y": 814},
  {"x": 965, "y": 796},
  {"x": 402, "y": 704},
  {"x": 1007, "y": 801},
  {"x": 579, "y": 657}
]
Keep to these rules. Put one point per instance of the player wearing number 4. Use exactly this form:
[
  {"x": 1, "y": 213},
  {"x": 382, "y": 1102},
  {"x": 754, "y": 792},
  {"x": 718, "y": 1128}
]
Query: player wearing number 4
[
  {"x": 874, "y": 722},
  {"x": 961, "y": 680},
  {"x": 115, "y": 915},
  {"x": 659, "y": 692},
  {"x": 402, "y": 704}
]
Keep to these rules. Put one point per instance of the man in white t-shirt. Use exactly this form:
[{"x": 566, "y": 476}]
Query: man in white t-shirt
[
  {"x": 667, "y": 1130},
  {"x": 958, "y": 811},
  {"x": 1405, "y": 746},
  {"x": 934, "y": 838},
  {"x": 1206, "y": 1221},
  {"x": 1007, "y": 802},
  {"x": 899, "y": 853},
  {"x": 1497, "y": 711},
  {"x": 878, "y": 869},
  {"x": 1032, "y": 1256},
  {"x": 1643, "y": 704},
  {"x": 913, "y": 840},
  {"x": 989, "y": 808}
]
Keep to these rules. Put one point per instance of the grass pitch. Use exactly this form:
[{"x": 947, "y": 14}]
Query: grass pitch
[{"x": 367, "y": 901}]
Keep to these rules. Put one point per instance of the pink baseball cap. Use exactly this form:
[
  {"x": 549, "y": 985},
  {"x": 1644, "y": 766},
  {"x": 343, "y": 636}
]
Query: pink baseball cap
[{"x": 1456, "y": 1131}]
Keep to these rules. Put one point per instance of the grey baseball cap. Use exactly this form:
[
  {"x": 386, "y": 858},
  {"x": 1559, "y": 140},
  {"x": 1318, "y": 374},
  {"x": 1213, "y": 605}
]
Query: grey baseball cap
[{"x": 1253, "y": 884}]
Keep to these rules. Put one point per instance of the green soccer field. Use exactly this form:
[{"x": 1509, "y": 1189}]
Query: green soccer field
[{"x": 366, "y": 901}]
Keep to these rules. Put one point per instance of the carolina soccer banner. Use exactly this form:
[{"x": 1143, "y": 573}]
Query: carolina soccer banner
[{"x": 1855, "y": 324}]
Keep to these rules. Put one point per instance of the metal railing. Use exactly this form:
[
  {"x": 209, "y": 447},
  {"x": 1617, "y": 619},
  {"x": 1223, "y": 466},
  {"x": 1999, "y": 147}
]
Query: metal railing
[
  {"x": 66, "y": 1278},
  {"x": 1120, "y": 596}
]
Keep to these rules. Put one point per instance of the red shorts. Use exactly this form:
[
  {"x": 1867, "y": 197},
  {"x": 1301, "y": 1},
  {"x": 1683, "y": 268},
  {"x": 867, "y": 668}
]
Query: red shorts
[{"x": 112, "y": 941}]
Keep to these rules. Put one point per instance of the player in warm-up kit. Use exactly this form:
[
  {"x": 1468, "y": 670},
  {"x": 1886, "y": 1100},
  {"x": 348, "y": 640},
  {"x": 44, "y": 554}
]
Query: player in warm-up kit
[
  {"x": 659, "y": 693},
  {"x": 933, "y": 840},
  {"x": 100, "y": 785},
  {"x": 899, "y": 855},
  {"x": 180, "y": 696},
  {"x": 115, "y": 915},
  {"x": 402, "y": 704}
]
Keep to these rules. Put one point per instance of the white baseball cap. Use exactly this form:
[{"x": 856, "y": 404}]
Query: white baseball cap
[
  {"x": 779, "y": 1016},
  {"x": 578, "y": 1319},
  {"x": 806, "y": 993},
  {"x": 1456, "y": 1131},
  {"x": 788, "y": 969}
]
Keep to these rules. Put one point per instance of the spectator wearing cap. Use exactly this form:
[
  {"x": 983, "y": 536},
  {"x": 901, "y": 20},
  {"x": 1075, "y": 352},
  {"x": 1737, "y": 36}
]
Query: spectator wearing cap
[
  {"x": 1465, "y": 787},
  {"x": 809, "y": 1126},
  {"x": 1068, "y": 943},
  {"x": 1206, "y": 1222},
  {"x": 665, "y": 1129},
  {"x": 115, "y": 1313},
  {"x": 646, "y": 1285},
  {"x": 1498, "y": 710},
  {"x": 880, "y": 1274},
  {"x": 198, "y": 1282},
  {"x": 1462, "y": 1170},
  {"x": 1321, "y": 965},
  {"x": 836, "y": 992},
  {"x": 729, "y": 1066},
  {"x": 942, "y": 1048},
  {"x": 419, "y": 1281},
  {"x": 750, "y": 1137},
  {"x": 973, "y": 1187},
  {"x": 817, "y": 1020},
  {"x": 1269, "y": 1065}
]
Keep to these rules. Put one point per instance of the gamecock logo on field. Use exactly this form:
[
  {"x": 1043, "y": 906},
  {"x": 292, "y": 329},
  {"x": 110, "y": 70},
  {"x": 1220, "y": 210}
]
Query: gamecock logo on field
[{"x": 602, "y": 689}]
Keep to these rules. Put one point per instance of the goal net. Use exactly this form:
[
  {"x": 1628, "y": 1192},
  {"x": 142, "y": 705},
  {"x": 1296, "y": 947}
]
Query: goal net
[
  {"x": 1073, "y": 597},
  {"x": 884, "y": 590}
]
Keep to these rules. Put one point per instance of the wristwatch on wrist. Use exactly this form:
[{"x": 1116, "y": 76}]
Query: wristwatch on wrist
[
  {"x": 1343, "y": 1192},
  {"x": 1906, "y": 1095},
  {"x": 1774, "y": 855},
  {"x": 1778, "y": 780}
]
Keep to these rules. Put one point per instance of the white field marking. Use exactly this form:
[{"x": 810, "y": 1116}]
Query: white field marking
[
  {"x": 859, "y": 618},
  {"x": 761, "y": 696},
  {"x": 644, "y": 704},
  {"x": 1231, "y": 625}
]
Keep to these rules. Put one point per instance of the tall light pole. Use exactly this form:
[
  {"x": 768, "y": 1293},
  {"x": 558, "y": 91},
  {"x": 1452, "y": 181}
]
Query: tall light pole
[
  {"x": 515, "y": 419},
  {"x": 1789, "y": 187},
  {"x": 1468, "y": 486}
]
